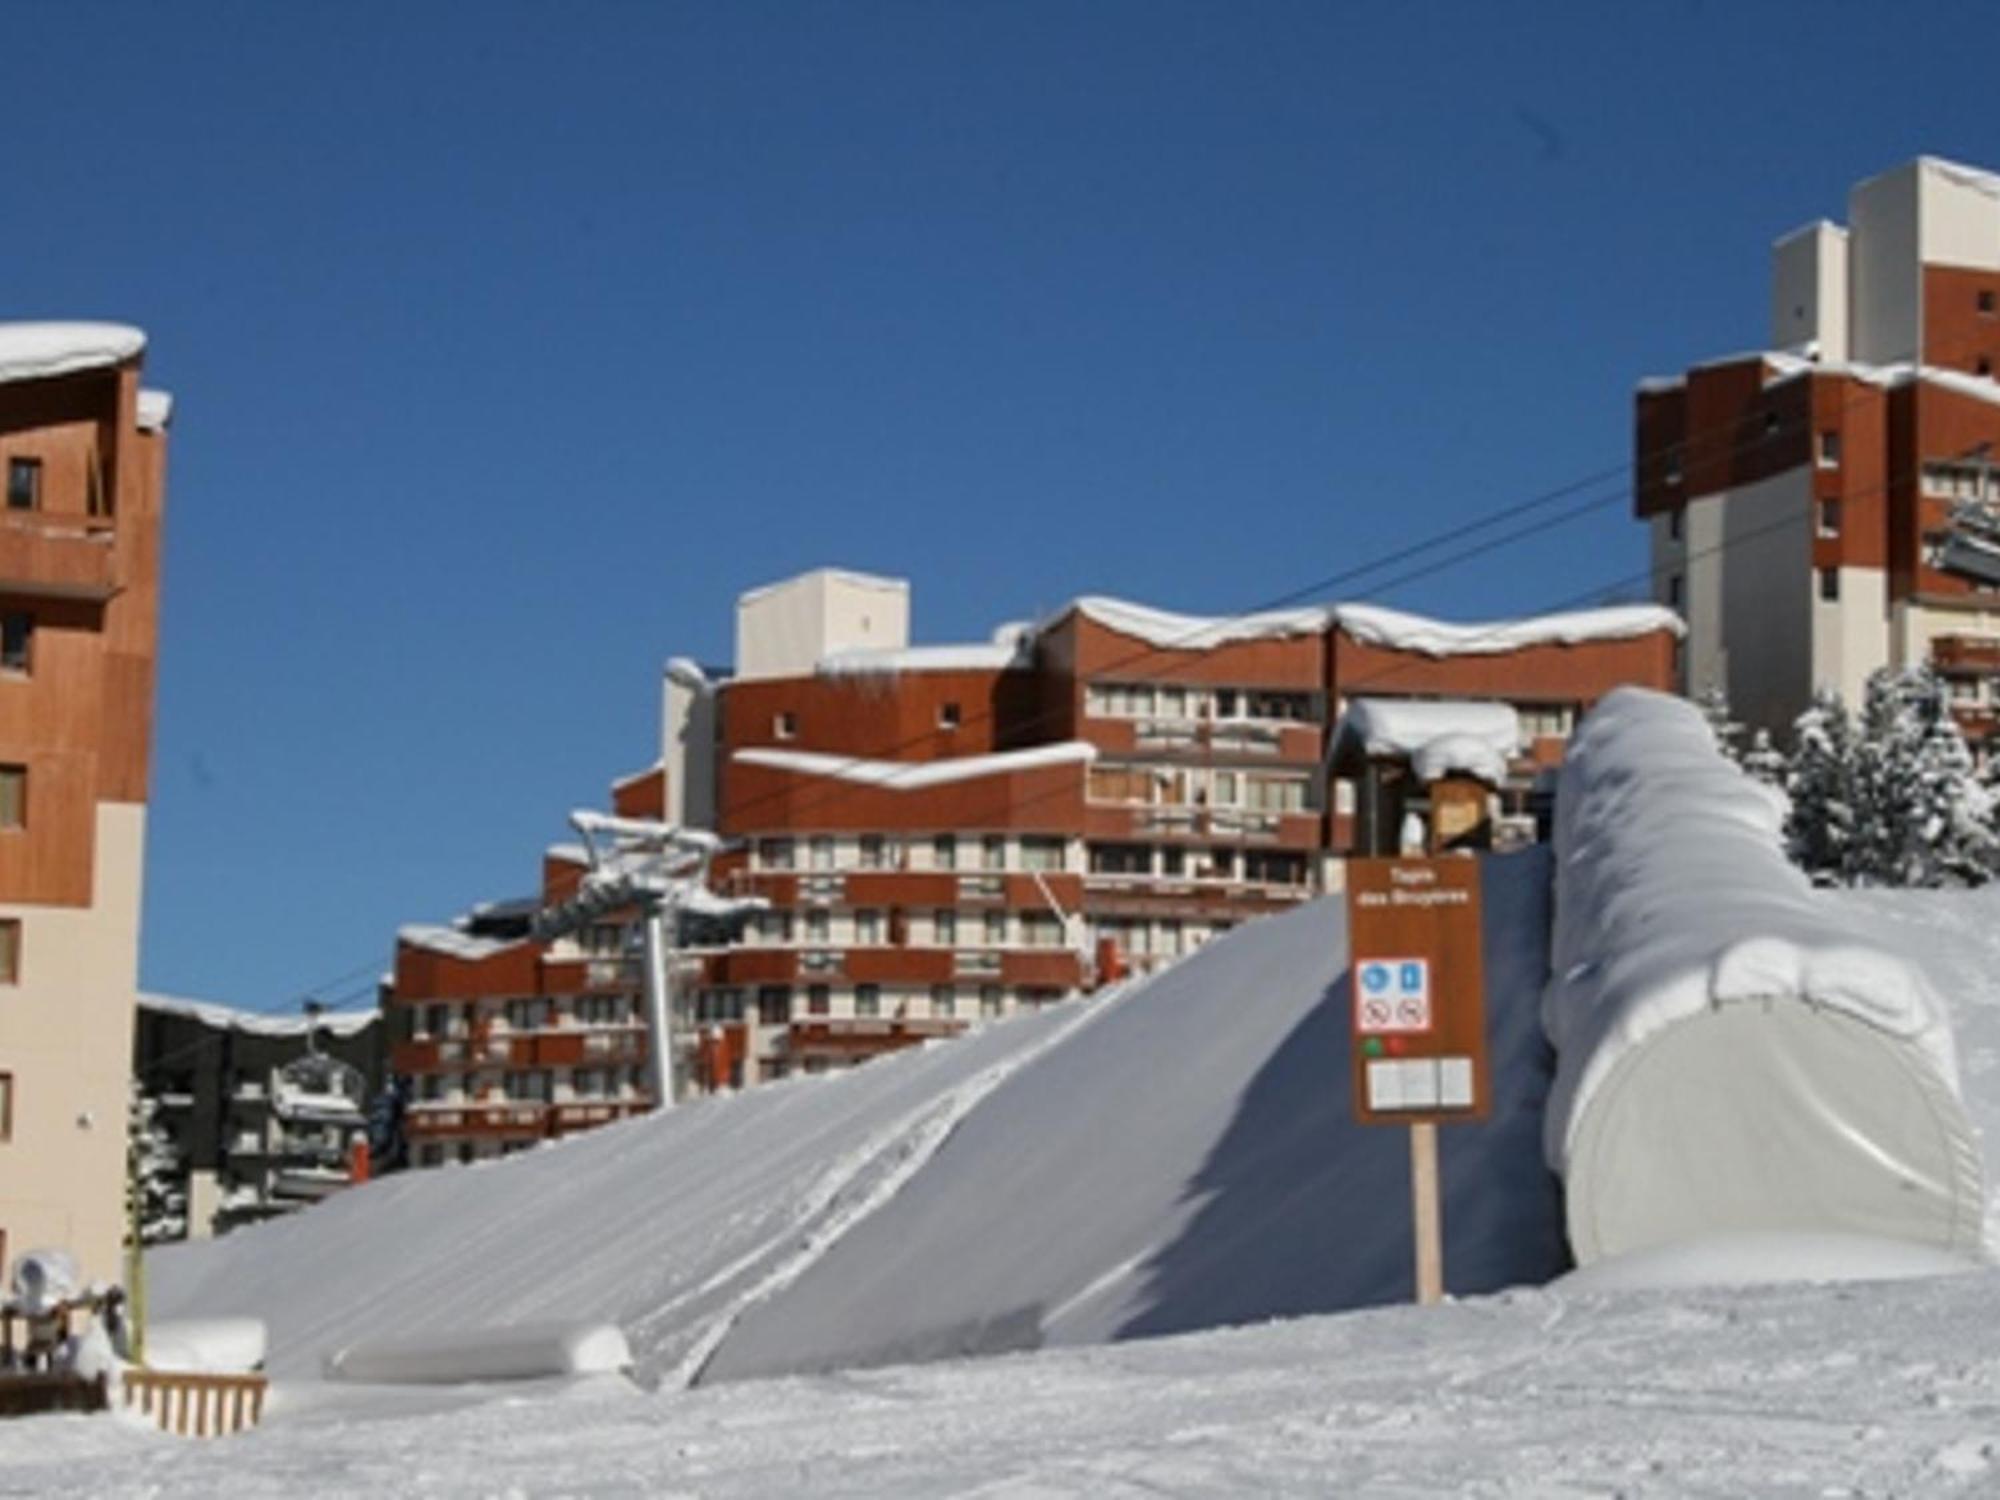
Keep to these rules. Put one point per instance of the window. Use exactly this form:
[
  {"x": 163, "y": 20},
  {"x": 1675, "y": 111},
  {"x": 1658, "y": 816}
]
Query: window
[
  {"x": 24, "y": 483},
  {"x": 819, "y": 1000},
  {"x": 948, "y": 716},
  {"x": 524, "y": 1015},
  {"x": 944, "y": 1001},
  {"x": 1829, "y": 518},
  {"x": 868, "y": 1000},
  {"x": 1225, "y": 788},
  {"x": 1271, "y": 867},
  {"x": 785, "y": 726},
  {"x": 819, "y": 927},
  {"x": 1173, "y": 859},
  {"x": 1673, "y": 469},
  {"x": 872, "y": 851},
  {"x": 1273, "y": 794},
  {"x": 528, "y": 1086},
  {"x": 821, "y": 852},
  {"x": 6, "y": 1106},
  {"x": 868, "y": 927},
  {"x": 944, "y": 851},
  {"x": 1040, "y": 929},
  {"x": 1829, "y": 450},
  {"x": 1121, "y": 859},
  {"x": 1674, "y": 591},
  {"x": 1041, "y": 854},
  {"x": 996, "y": 928},
  {"x": 17, "y": 634},
  {"x": 775, "y": 854},
  {"x": 13, "y": 797},
  {"x": 1986, "y": 303},
  {"x": 989, "y": 1000},
  {"x": 993, "y": 852},
  {"x": 1675, "y": 520},
  {"x": 1173, "y": 703},
  {"x": 944, "y": 924},
  {"x": 774, "y": 1005},
  {"x": 1829, "y": 585},
  {"x": 1770, "y": 424}
]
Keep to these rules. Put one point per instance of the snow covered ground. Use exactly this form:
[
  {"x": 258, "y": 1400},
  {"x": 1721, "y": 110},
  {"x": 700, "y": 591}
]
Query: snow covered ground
[
  {"x": 1873, "y": 1390},
  {"x": 1174, "y": 1156}
]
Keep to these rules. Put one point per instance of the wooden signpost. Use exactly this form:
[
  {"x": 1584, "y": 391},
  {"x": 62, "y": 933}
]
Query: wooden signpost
[{"x": 1419, "y": 1018}]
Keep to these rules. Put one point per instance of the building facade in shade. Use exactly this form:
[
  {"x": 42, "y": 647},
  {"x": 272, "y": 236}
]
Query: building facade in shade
[
  {"x": 83, "y": 456},
  {"x": 260, "y": 1112},
  {"x": 505, "y": 1039},
  {"x": 1830, "y": 506},
  {"x": 948, "y": 834}
]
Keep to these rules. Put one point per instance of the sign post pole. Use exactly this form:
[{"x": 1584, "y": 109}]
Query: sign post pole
[
  {"x": 1427, "y": 1212},
  {"x": 1418, "y": 1038}
]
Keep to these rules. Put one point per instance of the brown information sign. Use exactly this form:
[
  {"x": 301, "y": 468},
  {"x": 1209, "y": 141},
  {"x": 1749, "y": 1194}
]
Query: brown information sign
[{"x": 1419, "y": 1020}]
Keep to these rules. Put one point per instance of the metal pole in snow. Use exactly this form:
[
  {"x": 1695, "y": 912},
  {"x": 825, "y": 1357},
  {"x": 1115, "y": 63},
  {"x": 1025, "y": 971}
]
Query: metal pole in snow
[{"x": 659, "y": 1006}]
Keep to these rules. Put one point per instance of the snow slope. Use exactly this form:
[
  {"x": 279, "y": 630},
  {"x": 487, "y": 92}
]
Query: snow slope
[
  {"x": 1173, "y": 1156},
  {"x": 1799, "y": 1391}
]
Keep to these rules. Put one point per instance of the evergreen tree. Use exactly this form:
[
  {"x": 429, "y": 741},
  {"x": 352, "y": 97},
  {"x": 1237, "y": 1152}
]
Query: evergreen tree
[
  {"x": 1764, "y": 761},
  {"x": 1820, "y": 780},
  {"x": 1714, "y": 706},
  {"x": 158, "y": 1181},
  {"x": 1922, "y": 816}
]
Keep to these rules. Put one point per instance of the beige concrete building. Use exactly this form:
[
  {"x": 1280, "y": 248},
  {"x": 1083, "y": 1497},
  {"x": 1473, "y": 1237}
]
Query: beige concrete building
[{"x": 82, "y": 454}]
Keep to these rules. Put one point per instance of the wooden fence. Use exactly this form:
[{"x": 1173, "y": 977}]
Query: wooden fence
[{"x": 191, "y": 1405}]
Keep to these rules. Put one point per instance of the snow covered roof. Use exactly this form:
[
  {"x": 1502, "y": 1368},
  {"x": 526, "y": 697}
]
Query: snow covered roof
[
  {"x": 569, "y": 854},
  {"x": 1438, "y": 737},
  {"x": 156, "y": 410},
  {"x": 257, "y": 1023},
  {"x": 452, "y": 943},
  {"x": 843, "y": 575},
  {"x": 916, "y": 775},
  {"x": 688, "y": 673},
  {"x": 1161, "y": 627},
  {"x": 37, "y": 351},
  {"x": 1380, "y": 626},
  {"x": 974, "y": 657},
  {"x": 637, "y": 776}
]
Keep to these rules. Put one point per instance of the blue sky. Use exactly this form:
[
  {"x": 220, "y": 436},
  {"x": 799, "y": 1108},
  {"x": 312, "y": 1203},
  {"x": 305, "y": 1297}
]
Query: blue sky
[{"x": 511, "y": 342}]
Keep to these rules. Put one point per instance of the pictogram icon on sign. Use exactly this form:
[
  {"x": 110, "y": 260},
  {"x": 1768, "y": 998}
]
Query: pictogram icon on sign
[{"x": 1395, "y": 996}]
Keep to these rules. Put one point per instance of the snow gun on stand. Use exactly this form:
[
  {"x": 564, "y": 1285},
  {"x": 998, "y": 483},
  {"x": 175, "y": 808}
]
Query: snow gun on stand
[{"x": 660, "y": 870}]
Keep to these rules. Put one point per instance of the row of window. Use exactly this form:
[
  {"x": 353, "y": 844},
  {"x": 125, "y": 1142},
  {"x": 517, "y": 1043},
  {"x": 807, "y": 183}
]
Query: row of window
[
  {"x": 1150, "y": 700},
  {"x": 773, "y": 1005},
  {"x": 1173, "y": 786},
  {"x": 1173, "y": 861},
  {"x": 871, "y": 927},
  {"x": 447, "y": 1018},
  {"x": 874, "y": 851}
]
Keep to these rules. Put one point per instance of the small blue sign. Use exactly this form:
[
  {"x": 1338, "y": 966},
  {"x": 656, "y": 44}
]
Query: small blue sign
[
  {"x": 1413, "y": 979},
  {"x": 1375, "y": 978}
]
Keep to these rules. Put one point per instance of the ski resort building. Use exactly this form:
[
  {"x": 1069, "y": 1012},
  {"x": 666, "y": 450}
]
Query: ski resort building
[
  {"x": 256, "y": 1115},
  {"x": 947, "y": 834},
  {"x": 1830, "y": 505},
  {"x": 83, "y": 451},
  {"x": 507, "y": 1039}
]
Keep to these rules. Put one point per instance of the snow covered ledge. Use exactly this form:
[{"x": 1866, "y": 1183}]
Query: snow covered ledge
[{"x": 1729, "y": 1056}]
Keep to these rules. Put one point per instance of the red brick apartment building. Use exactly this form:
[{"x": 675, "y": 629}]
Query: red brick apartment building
[
  {"x": 949, "y": 834},
  {"x": 1831, "y": 506},
  {"x": 83, "y": 457}
]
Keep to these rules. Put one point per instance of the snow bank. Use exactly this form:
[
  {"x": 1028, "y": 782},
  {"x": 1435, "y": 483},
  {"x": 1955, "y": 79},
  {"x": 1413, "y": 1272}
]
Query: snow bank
[
  {"x": 939, "y": 1202},
  {"x": 1438, "y": 738},
  {"x": 211, "y": 1346},
  {"x": 976, "y": 657},
  {"x": 156, "y": 410},
  {"x": 453, "y": 943},
  {"x": 536, "y": 1351},
  {"x": 1766, "y": 1259},
  {"x": 917, "y": 775},
  {"x": 1376, "y": 625},
  {"x": 1160, "y": 627},
  {"x": 37, "y": 351},
  {"x": 228, "y": 1018},
  {"x": 1730, "y": 1055}
]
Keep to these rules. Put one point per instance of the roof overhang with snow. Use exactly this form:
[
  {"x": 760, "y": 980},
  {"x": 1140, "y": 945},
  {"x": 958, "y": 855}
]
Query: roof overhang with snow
[
  {"x": 1438, "y": 738},
  {"x": 41, "y": 351},
  {"x": 918, "y": 775}
]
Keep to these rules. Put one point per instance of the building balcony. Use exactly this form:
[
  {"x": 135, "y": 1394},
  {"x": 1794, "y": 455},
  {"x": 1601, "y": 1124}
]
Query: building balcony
[
  {"x": 1954, "y": 654},
  {"x": 584, "y": 1114},
  {"x": 1053, "y": 968},
  {"x": 863, "y": 1036},
  {"x": 514, "y": 1117},
  {"x": 57, "y": 557},
  {"x": 1977, "y": 723}
]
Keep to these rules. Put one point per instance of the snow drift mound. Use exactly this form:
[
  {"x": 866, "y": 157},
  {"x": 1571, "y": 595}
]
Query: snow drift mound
[
  {"x": 1173, "y": 1156},
  {"x": 1730, "y": 1056}
]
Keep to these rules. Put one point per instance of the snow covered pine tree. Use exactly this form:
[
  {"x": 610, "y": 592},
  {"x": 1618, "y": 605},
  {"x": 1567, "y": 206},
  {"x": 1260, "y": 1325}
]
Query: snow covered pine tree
[
  {"x": 1714, "y": 706},
  {"x": 157, "y": 1178},
  {"x": 1819, "y": 778},
  {"x": 1764, "y": 761},
  {"x": 1922, "y": 818}
]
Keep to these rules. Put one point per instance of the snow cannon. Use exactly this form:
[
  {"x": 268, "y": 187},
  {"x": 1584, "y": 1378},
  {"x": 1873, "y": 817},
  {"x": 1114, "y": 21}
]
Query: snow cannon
[{"x": 1730, "y": 1057}]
